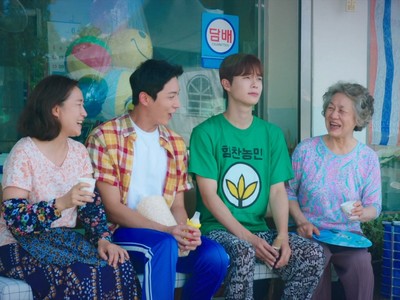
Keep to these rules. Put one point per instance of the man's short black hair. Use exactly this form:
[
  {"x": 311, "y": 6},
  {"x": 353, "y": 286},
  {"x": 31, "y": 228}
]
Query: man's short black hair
[{"x": 151, "y": 76}]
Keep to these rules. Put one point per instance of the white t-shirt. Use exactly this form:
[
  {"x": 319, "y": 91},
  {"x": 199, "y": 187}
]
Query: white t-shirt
[{"x": 149, "y": 167}]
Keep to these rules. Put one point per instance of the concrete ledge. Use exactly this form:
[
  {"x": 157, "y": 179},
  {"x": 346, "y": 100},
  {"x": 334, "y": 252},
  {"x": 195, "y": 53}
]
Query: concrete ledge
[{"x": 14, "y": 289}]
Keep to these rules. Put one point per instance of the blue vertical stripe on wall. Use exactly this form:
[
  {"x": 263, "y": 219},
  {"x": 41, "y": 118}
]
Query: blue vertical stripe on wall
[{"x": 387, "y": 100}]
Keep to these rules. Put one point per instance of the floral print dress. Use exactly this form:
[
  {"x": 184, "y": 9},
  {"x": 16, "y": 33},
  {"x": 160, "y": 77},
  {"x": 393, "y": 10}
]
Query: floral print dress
[{"x": 38, "y": 243}]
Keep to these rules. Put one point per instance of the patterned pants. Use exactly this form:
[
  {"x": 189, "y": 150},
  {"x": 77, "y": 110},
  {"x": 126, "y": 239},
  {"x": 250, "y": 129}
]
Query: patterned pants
[
  {"x": 78, "y": 281},
  {"x": 301, "y": 275}
]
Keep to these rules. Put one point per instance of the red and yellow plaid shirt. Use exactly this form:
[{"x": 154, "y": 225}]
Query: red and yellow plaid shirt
[{"x": 110, "y": 147}]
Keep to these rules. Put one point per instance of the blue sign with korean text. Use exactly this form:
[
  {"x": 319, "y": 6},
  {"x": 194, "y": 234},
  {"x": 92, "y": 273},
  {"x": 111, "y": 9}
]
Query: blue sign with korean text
[{"x": 220, "y": 37}]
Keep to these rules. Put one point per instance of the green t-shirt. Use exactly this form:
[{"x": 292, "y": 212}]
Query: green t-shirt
[{"x": 245, "y": 163}]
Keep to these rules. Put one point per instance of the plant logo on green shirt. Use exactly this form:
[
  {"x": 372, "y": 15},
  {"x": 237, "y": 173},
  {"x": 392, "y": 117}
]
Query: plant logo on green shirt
[{"x": 241, "y": 185}]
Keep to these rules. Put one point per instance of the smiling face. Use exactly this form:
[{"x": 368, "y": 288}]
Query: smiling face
[
  {"x": 245, "y": 89},
  {"x": 340, "y": 117},
  {"x": 71, "y": 114},
  {"x": 165, "y": 105}
]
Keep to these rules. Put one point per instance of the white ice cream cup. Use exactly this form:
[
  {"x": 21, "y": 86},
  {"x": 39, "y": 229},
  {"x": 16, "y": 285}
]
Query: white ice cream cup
[
  {"x": 90, "y": 181},
  {"x": 347, "y": 208}
]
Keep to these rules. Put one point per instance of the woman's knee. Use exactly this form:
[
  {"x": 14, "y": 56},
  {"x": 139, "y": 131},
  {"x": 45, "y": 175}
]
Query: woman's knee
[{"x": 360, "y": 263}]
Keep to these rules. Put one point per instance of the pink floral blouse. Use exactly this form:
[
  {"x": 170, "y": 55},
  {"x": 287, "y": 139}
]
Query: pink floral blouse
[{"x": 27, "y": 168}]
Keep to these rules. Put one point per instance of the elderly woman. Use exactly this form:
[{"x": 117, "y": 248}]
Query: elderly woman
[{"x": 330, "y": 170}]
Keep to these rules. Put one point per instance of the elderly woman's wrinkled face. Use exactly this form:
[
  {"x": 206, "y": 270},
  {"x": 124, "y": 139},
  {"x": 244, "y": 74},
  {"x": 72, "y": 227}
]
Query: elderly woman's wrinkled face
[{"x": 340, "y": 117}]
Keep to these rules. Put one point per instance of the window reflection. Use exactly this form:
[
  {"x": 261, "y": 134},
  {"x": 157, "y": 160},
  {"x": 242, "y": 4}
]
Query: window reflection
[{"x": 100, "y": 43}]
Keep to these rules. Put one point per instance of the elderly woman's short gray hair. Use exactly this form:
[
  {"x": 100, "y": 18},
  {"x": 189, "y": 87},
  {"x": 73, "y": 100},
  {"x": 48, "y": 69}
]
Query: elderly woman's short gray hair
[{"x": 363, "y": 102}]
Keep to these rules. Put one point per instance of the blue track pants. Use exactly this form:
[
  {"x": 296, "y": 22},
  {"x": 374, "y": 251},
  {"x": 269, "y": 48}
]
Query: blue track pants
[{"x": 155, "y": 254}]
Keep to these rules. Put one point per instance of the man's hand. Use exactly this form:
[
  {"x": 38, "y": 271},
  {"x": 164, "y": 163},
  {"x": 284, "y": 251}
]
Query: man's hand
[
  {"x": 285, "y": 252},
  {"x": 268, "y": 254},
  {"x": 188, "y": 237}
]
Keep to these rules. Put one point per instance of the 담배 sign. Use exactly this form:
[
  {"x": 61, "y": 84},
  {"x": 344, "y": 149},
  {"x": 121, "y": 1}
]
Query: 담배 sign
[{"x": 220, "y": 35}]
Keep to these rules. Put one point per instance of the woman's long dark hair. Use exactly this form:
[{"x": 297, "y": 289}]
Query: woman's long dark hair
[{"x": 37, "y": 119}]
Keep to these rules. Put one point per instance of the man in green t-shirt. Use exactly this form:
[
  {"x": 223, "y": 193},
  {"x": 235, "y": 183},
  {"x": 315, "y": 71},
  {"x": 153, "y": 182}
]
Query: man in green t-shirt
[{"x": 240, "y": 163}]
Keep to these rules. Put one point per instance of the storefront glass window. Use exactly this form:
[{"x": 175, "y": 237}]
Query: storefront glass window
[{"x": 101, "y": 42}]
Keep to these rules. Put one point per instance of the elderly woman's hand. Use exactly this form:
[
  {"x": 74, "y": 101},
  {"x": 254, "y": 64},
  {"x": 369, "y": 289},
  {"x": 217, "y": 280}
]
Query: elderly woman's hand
[
  {"x": 307, "y": 229},
  {"x": 362, "y": 213}
]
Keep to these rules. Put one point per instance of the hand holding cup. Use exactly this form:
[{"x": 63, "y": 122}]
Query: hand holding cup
[
  {"x": 347, "y": 207},
  {"x": 88, "y": 180},
  {"x": 90, "y": 185}
]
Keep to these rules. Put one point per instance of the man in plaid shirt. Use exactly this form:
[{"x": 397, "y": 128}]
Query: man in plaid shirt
[{"x": 136, "y": 156}]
